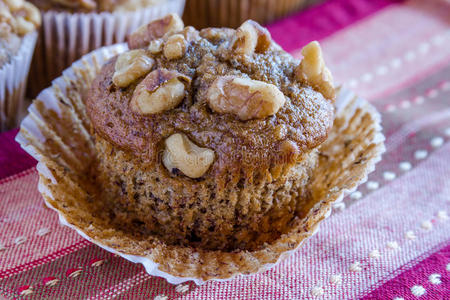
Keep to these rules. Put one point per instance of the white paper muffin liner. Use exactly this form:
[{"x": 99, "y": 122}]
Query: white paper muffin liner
[
  {"x": 65, "y": 37},
  {"x": 56, "y": 133},
  {"x": 13, "y": 82}
]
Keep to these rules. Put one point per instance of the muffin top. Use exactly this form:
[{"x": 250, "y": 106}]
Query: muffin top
[
  {"x": 17, "y": 18},
  {"x": 93, "y": 5},
  {"x": 215, "y": 101}
]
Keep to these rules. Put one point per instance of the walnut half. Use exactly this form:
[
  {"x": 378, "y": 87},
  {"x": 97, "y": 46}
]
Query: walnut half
[
  {"x": 312, "y": 69},
  {"x": 246, "y": 98},
  {"x": 182, "y": 154},
  {"x": 250, "y": 38},
  {"x": 160, "y": 90},
  {"x": 130, "y": 66},
  {"x": 142, "y": 36},
  {"x": 175, "y": 47}
]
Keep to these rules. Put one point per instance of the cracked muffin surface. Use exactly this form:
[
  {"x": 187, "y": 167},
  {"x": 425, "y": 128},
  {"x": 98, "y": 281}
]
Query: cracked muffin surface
[{"x": 208, "y": 138}]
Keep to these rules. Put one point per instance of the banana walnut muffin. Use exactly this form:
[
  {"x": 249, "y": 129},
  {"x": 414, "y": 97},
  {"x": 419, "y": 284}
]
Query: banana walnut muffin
[
  {"x": 208, "y": 138},
  {"x": 93, "y": 5}
]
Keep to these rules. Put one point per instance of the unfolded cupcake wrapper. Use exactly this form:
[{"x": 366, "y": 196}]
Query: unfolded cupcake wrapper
[
  {"x": 13, "y": 81},
  {"x": 65, "y": 37},
  {"x": 232, "y": 13},
  {"x": 57, "y": 133}
]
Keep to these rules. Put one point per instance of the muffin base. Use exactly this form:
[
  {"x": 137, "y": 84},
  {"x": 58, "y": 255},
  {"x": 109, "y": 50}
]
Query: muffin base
[
  {"x": 57, "y": 133},
  {"x": 199, "y": 213}
]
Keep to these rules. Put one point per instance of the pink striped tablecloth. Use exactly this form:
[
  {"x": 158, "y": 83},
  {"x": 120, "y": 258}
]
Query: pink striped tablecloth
[{"x": 388, "y": 240}]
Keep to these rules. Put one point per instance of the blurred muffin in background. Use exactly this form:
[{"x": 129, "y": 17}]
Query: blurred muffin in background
[
  {"x": 72, "y": 28},
  {"x": 231, "y": 13},
  {"x": 18, "y": 23},
  {"x": 94, "y": 5}
]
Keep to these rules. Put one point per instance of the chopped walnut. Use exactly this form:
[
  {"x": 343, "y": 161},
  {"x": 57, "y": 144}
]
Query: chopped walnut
[
  {"x": 246, "y": 98},
  {"x": 250, "y": 38},
  {"x": 175, "y": 47},
  {"x": 182, "y": 154},
  {"x": 154, "y": 30},
  {"x": 312, "y": 69},
  {"x": 160, "y": 91},
  {"x": 130, "y": 66}
]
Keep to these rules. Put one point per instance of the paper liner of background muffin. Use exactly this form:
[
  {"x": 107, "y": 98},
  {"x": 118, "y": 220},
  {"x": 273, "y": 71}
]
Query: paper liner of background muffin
[
  {"x": 13, "y": 82},
  {"x": 232, "y": 13},
  {"x": 65, "y": 37},
  {"x": 57, "y": 133}
]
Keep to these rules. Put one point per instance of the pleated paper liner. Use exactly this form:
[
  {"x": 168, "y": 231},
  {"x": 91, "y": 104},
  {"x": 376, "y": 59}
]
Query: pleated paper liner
[
  {"x": 65, "y": 37},
  {"x": 13, "y": 82},
  {"x": 56, "y": 133}
]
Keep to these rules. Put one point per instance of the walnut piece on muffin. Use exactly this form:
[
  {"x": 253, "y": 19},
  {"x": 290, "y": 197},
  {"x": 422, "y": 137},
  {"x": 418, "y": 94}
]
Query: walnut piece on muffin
[
  {"x": 17, "y": 18},
  {"x": 213, "y": 143}
]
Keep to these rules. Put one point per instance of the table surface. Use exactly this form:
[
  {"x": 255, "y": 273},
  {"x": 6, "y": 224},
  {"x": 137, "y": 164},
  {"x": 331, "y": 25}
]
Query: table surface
[{"x": 388, "y": 240}]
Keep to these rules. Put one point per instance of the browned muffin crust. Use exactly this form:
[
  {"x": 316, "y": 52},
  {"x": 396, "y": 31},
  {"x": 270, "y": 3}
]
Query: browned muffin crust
[{"x": 303, "y": 121}]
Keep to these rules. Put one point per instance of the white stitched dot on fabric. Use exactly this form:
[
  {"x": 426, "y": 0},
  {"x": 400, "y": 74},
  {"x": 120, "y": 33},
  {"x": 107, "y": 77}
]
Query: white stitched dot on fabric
[
  {"x": 97, "y": 263},
  {"x": 435, "y": 278},
  {"x": 405, "y": 104},
  {"x": 393, "y": 245},
  {"x": 20, "y": 240},
  {"x": 442, "y": 215},
  {"x": 160, "y": 297},
  {"x": 355, "y": 267},
  {"x": 432, "y": 93},
  {"x": 317, "y": 291},
  {"x": 445, "y": 86},
  {"x": 52, "y": 282},
  {"x": 73, "y": 273},
  {"x": 448, "y": 267},
  {"x": 418, "y": 290},
  {"x": 419, "y": 100},
  {"x": 410, "y": 55},
  {"x": 420, "y": 154},
  {"x": 447, "y": 131},
  {"x": 336, "y": 279},
  {"x": 356, "y": 195},
  {"x": 382, "y": 70},
  {"x": 437, "y": 142},
  {"x": 424, "y": 47},
  {"x": 43, "y": 231},
  {"x": 391, "y": 108},
  {"x": 427, "y": 225},
  {"x": 353, "y": 83},
  {"x": 367, "y": 77},
  {"x": 182, "y": 288},
  {"x": 398, "y": 298},
  {"x": 27, "y": 291},
  {"x": 396, "y": 63},
  {"x": 410, "y": 235},
  {"x": 339, "y": 206},
  {"x": 388, "y": 175},
  {"x": 372, "y": 185},
  {"x": 438, "y": 39},
  {"x": 405, "y": 166},
  {"x": 374, "y": 254},
  {"x": 2, "y": 247}
]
